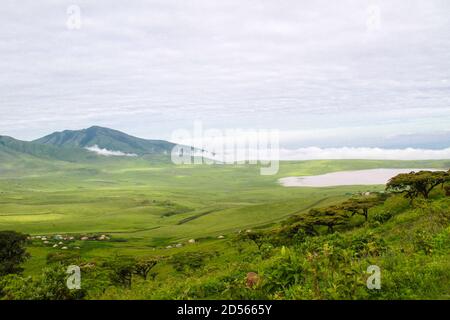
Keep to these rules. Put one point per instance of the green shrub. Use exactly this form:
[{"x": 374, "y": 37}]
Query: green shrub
[
  {"x": 64, "y": 258},
  {"x": 12, "y": 252},
  {"x": 121, "y": 270},
  {"x": 423, "y": 242},
  {"x": 284, "y": 271},
  {"x": 396, "y": 204},
  {"x": 188, "y": 261},
  {"x": 382, "y": 216},
  {"x": 51, "y": 285},
  {"x": 442, "y": 240}
]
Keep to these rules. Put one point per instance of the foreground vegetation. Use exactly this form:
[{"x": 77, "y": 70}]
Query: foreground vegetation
[{"x": 298, "y": 243}]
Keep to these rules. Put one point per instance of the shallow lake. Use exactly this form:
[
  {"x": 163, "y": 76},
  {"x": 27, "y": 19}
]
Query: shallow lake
[{"x": 346, "y": 178}]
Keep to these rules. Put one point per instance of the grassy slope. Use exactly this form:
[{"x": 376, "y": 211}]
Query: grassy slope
[
  {"x": 154, "y": 204},
  {"x": 407, "y": 272}
]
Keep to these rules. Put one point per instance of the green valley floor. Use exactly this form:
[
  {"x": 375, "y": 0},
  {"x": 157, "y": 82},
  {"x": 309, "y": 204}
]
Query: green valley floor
[{"x": 189, "y": 218}]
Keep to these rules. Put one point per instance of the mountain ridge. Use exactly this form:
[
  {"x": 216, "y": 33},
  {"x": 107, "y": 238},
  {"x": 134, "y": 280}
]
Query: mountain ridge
[
  {"x": 92, "y": 143},
  {"x": 105, "y": 138},
  {"x": 13, "y": 149}
]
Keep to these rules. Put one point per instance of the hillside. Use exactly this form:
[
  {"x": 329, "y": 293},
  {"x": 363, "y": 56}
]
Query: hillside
[
  {"x": 152, "y": 211},
  {"x": 105, "y": 138},
  {"x": 13, "y": 149},
  {"x": 409, "y": 242}
]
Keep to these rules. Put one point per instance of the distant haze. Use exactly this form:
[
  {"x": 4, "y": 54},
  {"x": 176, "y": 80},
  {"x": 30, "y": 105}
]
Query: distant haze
[{"x": 327, "y": 74}]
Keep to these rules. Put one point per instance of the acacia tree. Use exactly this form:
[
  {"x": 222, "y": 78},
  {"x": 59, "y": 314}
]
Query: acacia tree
[
  {"x": 257, "y": 237},
  {"x": 143, "y": 266},
  {"x": 330, "y": 217},
  {"x": 361, "y": 205},
  {"x": 122, "y": 269},
  {"x": 297, "y": 223},
  {"x": 417, "y": 183},
  {"x": 12, "y": 252},
  {"x": 188, "y": 261}
]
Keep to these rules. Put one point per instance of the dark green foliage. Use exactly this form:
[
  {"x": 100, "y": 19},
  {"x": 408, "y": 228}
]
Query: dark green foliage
[
  {"x": 417, "y": 183},
  {"x": 320, "y": 268},
  {"x": 63, "y": 258},
  {"x": 306, "y": 224},
  {"x": 447, "y": 190},
  {"x": 396, "y": 204},
  {"x": 256, "y": 237},
  {"x": 285, "y": 271},
  {"x": 295, "y": 226},
  {"x": 144, "y": 265},
  {"x": 188, "y": 261},
  {"x": 382, "y": 216},
  {"x": 50, "y": 285},
  {"x": 12, "y": 252},
  {"x": 423, "y": 242},
  {"x": 330, "y": 217},
  {"x": 361, "y": 205},
  {"x": 121, "y": 270},
  {"x": 366, "y": 245}
]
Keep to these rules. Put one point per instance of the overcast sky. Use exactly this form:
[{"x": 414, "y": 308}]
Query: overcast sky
[{"x": 326, "y": 73}]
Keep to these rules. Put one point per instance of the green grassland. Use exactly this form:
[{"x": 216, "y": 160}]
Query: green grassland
[
  {"x": 145, "y": 205},
  {"x": 139, "y": 199}
]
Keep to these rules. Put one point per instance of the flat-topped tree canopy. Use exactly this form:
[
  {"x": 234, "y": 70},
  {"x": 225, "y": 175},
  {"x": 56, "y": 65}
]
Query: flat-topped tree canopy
[{"x": 417, "y": 183}]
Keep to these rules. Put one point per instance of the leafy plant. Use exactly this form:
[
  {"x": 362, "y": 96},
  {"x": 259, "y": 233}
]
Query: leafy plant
[
  {"x": 187, "y": 261},
  {"x": 121, "y": 270},
  {"x": 417, "y": 183},
  {"x": 12, "y": 252},
  {"x": 423, "y": 242}
]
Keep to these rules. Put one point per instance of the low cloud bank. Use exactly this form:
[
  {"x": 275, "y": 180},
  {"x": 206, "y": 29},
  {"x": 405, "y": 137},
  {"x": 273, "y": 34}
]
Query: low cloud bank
[
  {"x": 106, "y": 152},
  {"x": 312, "y": 153}
]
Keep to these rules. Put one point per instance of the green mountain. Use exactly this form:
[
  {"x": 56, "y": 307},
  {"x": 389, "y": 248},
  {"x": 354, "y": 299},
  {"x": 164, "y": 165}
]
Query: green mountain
[
  {"x": 13, "y": 149},
  {"x": 104, "y": 138}
]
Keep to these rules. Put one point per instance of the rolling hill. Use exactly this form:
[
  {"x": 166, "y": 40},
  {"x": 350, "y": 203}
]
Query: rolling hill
[
  {"x": 14, "y": 149},
  {"x": 108, "y": 139}
]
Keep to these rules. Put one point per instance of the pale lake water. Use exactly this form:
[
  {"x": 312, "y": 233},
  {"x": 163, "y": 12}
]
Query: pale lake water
[{"x": 346, "y": 178}]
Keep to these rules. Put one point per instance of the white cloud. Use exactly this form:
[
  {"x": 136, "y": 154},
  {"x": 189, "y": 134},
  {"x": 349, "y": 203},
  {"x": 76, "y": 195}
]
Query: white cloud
[{"x": 106, "y": 152}]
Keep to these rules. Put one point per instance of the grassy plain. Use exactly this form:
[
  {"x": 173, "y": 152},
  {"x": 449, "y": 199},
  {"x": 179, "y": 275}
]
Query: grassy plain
[{"x": 146, "y": 205}]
